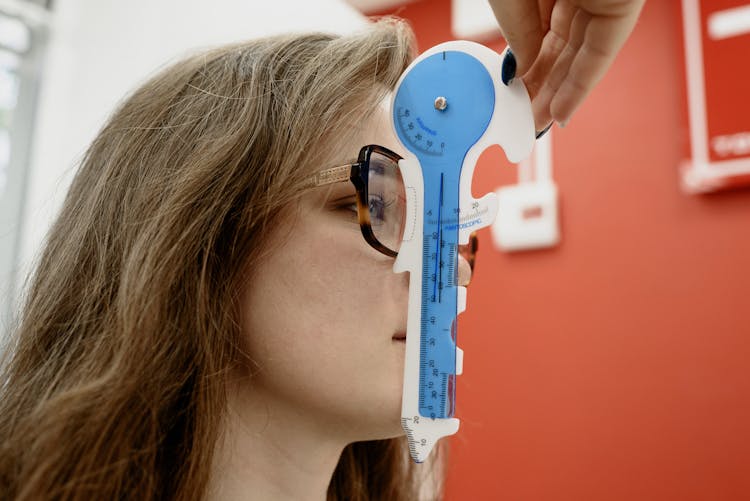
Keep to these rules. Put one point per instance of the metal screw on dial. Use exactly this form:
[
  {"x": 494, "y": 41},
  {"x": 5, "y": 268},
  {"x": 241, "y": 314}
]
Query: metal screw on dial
[{"x": 441, "y": 103}]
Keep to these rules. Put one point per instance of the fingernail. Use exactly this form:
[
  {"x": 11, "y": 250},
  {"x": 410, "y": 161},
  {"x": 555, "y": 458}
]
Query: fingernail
[
  {"x": 509, "y": 67},
  {"x": 544, "y": 131}
]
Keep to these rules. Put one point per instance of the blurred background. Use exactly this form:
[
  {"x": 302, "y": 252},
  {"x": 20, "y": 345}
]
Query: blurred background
[{"x": 611, "y": 362}]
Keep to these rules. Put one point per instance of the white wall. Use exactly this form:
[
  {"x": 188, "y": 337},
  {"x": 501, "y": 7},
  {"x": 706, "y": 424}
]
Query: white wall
[{"x": 100, "y": 49}]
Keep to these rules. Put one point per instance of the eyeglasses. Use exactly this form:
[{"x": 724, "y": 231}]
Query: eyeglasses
[{"x": 381, "y": 199}]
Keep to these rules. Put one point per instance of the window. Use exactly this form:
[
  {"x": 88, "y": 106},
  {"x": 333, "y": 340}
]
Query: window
[{"x": 22, "y": 29}]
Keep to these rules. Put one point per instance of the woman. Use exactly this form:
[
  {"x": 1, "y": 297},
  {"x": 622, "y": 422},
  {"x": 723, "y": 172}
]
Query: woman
[{"x": 207, "y": 320}]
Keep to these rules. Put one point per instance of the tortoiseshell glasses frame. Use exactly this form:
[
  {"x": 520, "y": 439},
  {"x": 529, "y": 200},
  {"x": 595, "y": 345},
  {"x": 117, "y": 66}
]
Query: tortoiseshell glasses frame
[{"x": 359, "y": 175}]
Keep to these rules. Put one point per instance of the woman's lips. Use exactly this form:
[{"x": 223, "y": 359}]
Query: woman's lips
[{"x": 399, "y": 336}]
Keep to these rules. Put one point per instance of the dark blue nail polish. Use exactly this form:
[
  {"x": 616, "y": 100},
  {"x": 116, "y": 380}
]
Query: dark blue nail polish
[
  {"x": 543, "y": 132},
  {"x": 508, "y": 71}
]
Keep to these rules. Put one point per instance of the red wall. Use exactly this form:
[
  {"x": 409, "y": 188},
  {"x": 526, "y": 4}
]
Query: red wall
[{"x": 615, "y": 366}]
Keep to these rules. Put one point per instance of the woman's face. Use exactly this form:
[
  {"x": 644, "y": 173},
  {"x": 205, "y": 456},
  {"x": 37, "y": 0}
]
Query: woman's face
[{"x": 324, "y": 316}]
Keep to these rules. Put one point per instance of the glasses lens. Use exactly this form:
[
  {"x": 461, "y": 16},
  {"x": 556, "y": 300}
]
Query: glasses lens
[{"x": 386, "y": 199}]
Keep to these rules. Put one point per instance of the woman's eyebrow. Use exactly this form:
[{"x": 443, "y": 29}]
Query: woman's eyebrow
[
  {"x": 337, "y": 197},
  {"x": 340, "y": 190},
  {"x": 335, "y": 192}
]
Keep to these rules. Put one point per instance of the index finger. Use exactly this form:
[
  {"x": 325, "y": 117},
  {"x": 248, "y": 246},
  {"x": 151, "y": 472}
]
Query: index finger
[
  {"x": 523, "y": 27},
  {"x": 603, "y": 39}
]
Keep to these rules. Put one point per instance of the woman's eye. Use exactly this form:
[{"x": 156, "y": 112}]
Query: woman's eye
[{"x": 378, "y": 209}]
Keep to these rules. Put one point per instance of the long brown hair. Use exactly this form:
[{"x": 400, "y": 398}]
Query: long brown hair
[{"x": 114, "y": 384}]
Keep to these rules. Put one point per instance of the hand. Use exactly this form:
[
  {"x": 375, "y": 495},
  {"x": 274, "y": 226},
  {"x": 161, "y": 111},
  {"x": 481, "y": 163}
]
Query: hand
[{"x": 562, "y": 48}]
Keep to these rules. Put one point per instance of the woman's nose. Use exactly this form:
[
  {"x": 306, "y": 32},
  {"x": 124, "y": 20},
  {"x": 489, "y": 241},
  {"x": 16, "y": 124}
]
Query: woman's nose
[{"x": 464, "y": 271}]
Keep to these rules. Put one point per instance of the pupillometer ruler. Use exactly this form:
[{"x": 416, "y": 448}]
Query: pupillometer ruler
[{"x": 449, "y": 106}]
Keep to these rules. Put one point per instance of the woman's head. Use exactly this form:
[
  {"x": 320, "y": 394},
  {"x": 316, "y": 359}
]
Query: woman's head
[
  {"x": 324, "y": 315},
  {"x": 190, "y": 253}
]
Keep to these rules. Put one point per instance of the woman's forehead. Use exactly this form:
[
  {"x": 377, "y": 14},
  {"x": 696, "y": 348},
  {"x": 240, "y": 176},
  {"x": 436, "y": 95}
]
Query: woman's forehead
[
  {"x": 342, "y": 147},
  {"x": 377, "y": 128}
]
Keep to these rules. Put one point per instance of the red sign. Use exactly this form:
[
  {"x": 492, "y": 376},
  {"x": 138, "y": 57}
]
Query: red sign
[{"x": 717, "y": 58}]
